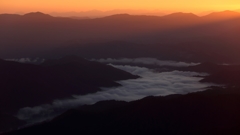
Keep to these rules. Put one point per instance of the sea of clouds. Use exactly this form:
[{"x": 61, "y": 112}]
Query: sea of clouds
[
  {"x": 151, "y": 83},
  {"x": 147, "y": 61}
]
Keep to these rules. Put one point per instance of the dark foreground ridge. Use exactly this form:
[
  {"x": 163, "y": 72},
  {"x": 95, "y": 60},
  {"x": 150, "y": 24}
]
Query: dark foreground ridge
[
  {"x": 28, "y": 85},
  {"x": 212, "y": 112},
  {"x": 220, "y": 74}
]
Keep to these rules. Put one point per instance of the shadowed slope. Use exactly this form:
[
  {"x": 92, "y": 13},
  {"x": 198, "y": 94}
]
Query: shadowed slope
[
  {"x": 30, "y": 85},
  {"x": 210, "y": 112}
]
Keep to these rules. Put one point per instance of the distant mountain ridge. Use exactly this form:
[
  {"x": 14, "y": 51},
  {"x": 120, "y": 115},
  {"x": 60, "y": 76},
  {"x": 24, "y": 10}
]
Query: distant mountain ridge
[
  {"x": 98, "y": 13},
  {"x": 178, "y": 36},
  {"x": 222, "y": 15},
  {"x": 225, "y": 13},
  {"x": 36, "y": 14}
]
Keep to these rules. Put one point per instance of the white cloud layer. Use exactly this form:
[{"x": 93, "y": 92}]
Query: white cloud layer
[
  {"x": 151, "y": 83},
  {"x": 147, "y": 61}
]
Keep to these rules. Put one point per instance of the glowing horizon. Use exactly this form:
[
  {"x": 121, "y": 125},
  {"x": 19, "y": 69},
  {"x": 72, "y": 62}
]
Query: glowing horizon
[{"x": 46, "y": 6}]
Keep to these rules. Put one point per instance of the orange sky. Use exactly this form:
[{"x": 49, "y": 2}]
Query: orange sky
[{"x": 47, "y": 6}]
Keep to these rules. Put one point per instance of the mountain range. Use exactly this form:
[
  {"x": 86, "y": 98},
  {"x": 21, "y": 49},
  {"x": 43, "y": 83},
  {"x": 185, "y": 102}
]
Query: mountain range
[
  {"x": 28, "y": 85},
  {"x": 98, "y": 13},
  {"x": 178, "y": 36},
  {"x": 214, "y": 111}
]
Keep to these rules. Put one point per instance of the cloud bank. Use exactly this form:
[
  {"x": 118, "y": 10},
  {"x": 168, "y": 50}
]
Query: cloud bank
[
  {"x": 27, "y": 60},
  {"x": 147, "y": 61},
  {"x": 151, "y": 83}
]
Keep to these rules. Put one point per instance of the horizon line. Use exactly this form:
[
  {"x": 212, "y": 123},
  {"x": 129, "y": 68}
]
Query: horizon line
[{"x": 120, "y": 11}]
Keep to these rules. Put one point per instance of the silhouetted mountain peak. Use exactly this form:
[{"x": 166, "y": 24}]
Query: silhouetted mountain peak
[
  {"x": 37, "y": 15},
  {"x": 223, "y": 15},
  {"x": 181, "y": 15},
  {"x": 226, "y": 12},
  {"x": 118, "y": 16}
]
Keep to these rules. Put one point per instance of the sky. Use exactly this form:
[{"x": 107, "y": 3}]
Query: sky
[{"x": 48, "y": 6}]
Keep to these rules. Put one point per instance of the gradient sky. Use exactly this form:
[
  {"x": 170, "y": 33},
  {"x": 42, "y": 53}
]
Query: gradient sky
[{"x": 15, "y": 6}]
